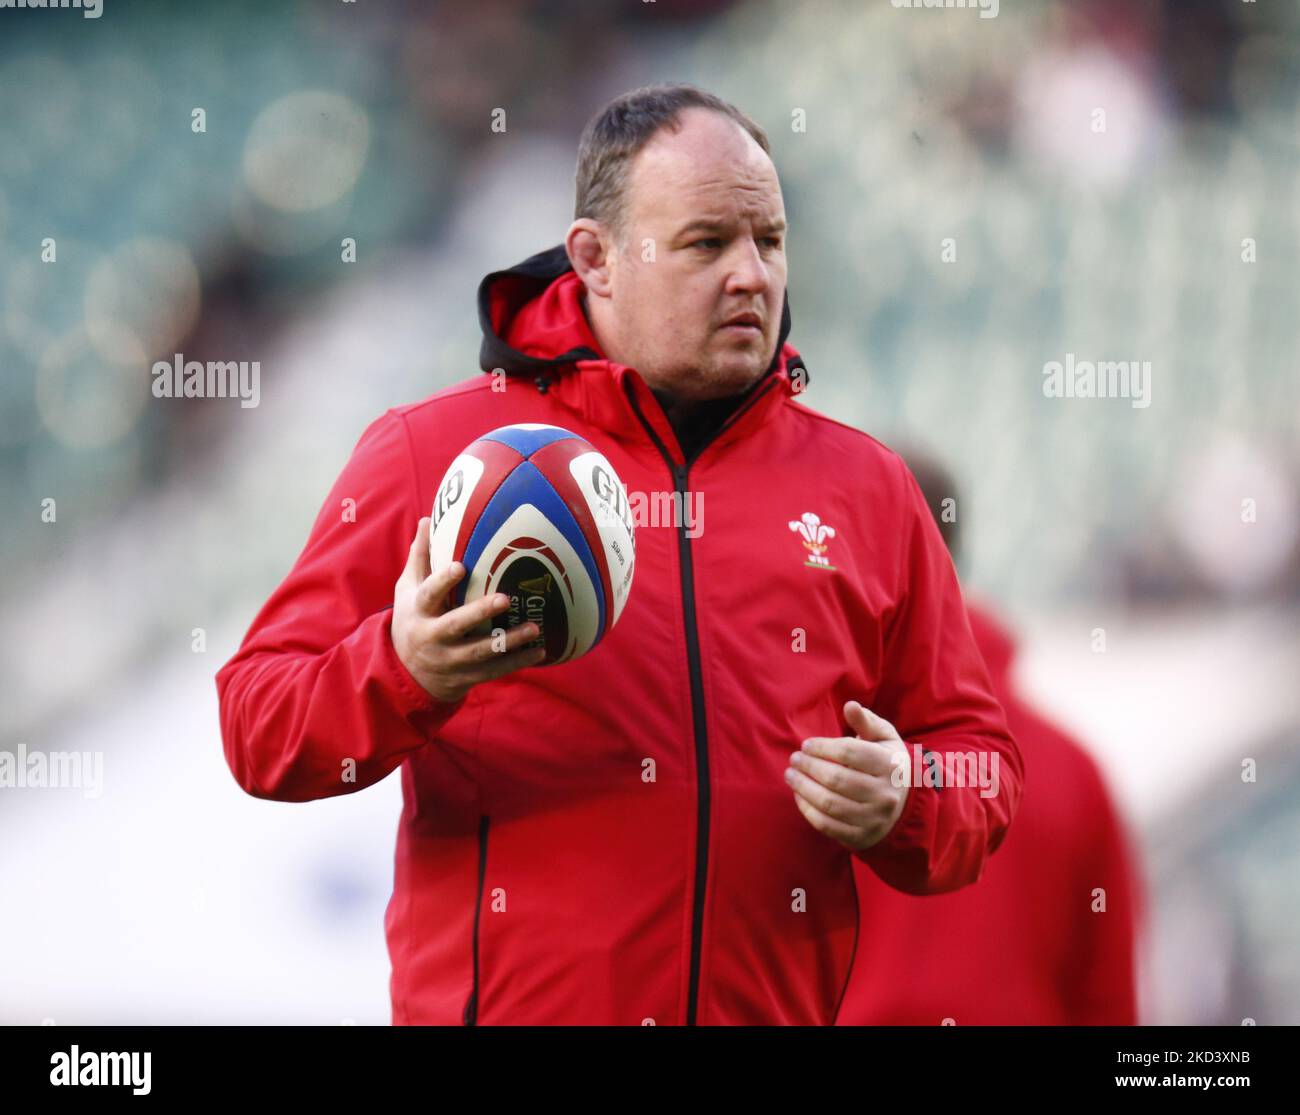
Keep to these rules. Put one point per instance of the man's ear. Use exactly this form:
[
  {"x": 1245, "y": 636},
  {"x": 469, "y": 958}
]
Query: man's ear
[{"x": 590, "y": 251}]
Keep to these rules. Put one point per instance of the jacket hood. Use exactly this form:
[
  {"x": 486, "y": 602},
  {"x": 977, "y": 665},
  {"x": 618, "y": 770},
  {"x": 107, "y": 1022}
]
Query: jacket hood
[
  {"x": 533, "y": 324},
  {"x": 995, "y": 642}
]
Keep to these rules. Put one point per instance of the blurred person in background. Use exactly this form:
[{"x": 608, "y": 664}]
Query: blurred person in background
[{"x": 1047, "y": 935}]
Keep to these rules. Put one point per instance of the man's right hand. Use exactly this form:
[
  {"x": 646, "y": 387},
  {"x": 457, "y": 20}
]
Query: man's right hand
[{"x": 431, "y": 639}]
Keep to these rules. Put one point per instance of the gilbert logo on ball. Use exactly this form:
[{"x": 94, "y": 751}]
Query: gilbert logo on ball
[{"x": 537, "y": 513}]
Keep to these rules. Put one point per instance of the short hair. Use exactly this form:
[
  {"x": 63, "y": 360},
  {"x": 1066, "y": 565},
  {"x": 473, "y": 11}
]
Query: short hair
[{"x": 618, "y": 132}]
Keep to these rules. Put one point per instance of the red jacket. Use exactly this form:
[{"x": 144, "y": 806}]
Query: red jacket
[
  {"x": 1023, "y": 946},
  {"x": 612, "y": 840}
]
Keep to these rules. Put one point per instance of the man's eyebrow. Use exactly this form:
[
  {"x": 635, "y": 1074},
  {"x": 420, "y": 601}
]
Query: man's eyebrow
[
  {"x": 710, "y": 225},
  {"x": 702, "y": 225}
]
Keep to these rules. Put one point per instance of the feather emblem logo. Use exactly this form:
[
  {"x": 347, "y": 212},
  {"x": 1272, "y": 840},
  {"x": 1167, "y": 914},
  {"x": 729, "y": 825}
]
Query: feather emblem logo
[{"x": 814, "y": 534}]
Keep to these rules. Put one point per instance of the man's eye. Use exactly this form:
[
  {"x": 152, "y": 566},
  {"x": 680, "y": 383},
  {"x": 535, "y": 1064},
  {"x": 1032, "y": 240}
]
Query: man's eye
[
  {"x": 772, "y": 241},
  {"x": 710, "y": 240}
]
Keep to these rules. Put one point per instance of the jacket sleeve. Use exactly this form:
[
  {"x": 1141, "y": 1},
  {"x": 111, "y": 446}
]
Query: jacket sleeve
[
  {"x": 935, "y": 690},
  {"x": 316, "y": 702}
]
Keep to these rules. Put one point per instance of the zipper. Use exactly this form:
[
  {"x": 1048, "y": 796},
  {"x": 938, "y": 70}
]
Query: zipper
[
  {"x": 470, "y": 1015},
  {"x": 680, "y": 473}
]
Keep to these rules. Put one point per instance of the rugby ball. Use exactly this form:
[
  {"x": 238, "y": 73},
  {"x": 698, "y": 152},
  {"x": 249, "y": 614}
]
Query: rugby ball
[{"x": 537, "y": 513}]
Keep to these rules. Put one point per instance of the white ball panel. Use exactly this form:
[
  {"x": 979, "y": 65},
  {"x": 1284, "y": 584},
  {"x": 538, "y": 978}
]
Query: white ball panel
[
  {"x": 581, "y": 604},
  {"x": 596, "y": 479},
  {"x": 442, "y": 539}
]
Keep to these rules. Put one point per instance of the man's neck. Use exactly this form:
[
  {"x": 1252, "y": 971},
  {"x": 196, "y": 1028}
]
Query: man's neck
[
  {"x": 696, "y": 421},
  {"x": 693, "y": 420}
]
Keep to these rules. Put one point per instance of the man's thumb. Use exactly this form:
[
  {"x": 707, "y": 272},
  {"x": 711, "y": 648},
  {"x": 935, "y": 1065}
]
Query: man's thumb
[
  {"x": 417, "y": 561},
  {"x": 867, "y": 724}
]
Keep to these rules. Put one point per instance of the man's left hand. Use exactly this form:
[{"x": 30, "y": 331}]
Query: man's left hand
[{"x": 847, "y": 787}]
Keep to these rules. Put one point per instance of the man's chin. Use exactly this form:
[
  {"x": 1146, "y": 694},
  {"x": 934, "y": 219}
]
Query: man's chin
[
  {"x": 724, "y": 375},
  {"x": 715, "y": 383},
  {"x": 734, "y": 376}
]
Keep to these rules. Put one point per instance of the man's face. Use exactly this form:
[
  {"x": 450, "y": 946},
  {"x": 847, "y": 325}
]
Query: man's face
[{"x": 707, "y": 200}]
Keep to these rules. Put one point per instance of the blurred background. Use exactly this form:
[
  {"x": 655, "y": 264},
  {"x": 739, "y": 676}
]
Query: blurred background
[{"x": 970, "y": 199}]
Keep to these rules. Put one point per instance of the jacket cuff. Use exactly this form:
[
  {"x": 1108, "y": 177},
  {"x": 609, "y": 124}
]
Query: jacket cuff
[
  {"x": 911, "y": 831},
  {"x": 411, "y": 700}
]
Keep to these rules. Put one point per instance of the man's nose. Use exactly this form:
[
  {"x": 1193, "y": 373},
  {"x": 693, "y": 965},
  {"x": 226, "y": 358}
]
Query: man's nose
[{"x": 748, "y": 271}]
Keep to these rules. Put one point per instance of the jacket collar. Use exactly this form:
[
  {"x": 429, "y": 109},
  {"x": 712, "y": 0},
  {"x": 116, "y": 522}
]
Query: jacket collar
[{"x": 534, "y": 329}]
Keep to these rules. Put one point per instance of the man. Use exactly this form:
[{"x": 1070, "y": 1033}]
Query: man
[
  {"x": 1047, "y": 936},
  {"x": 660, "y": 832}
]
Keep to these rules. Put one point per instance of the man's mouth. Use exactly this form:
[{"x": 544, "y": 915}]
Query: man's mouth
[{"x": 744, "y": 323}]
